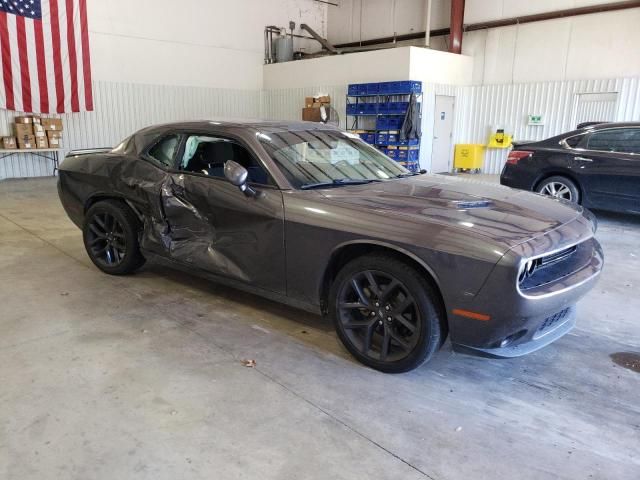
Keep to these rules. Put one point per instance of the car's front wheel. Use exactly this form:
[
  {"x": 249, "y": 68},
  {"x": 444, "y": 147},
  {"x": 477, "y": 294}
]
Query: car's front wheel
[
  {"x": 110, "y": 234},
  {"x": 559, "y": 187},
  {"x": 386, "y": 313}
]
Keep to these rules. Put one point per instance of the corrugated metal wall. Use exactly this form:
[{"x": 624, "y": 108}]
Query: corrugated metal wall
[
  {"x": 124, "y": 108},
  {"x": 121, "y": 109},
  {"x": 483, "y": 108}
]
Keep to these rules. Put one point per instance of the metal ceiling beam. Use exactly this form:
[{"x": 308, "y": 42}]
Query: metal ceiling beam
[{"x": 538, "y": 17}]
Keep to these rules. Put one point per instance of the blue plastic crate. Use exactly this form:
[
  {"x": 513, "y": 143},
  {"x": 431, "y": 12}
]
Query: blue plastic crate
[
  {"x": 401, "y": 107},
  {"x": 371, "y": 108},
  {"x": 408, "y": 142},
  {"x": 361, "y": 108},
  {"x": 351, "y": 108},
  {"x": 395, "y": 123},
  {"x": 403, "y": 87},
  {"x": 391, "y": 153},
  {"x": 409, "y": 154},
  {"x": 393, "y": 137},
  {"x": 372, "y": 88},
  {"x": 382, "y": 123},
  {"x": 357, "y": 89},
  {"x": 382, "y": 138}
]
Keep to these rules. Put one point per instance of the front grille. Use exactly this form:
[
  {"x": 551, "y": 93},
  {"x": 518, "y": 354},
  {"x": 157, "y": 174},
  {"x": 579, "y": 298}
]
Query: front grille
[
  {"x": 556, "y": 257},
  {"x": 551, "y": 321},
  {"x": 552, "y": 267}
]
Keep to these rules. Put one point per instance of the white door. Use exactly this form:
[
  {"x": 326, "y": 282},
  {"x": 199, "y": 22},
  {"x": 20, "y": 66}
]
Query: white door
[
  {"x": 441, "y": 155},
  {"x": 595, "y": 107}
]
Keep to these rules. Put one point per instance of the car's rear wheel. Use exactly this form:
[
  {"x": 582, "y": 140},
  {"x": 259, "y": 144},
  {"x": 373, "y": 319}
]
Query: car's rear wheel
[
  {"x": 386, "y": 313},
  {"x": 110, "y": 234},
  {"x": 559, "y": 187}
]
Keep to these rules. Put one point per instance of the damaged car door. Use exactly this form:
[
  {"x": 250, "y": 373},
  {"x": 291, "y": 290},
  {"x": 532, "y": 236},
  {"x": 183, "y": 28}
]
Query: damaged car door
[{"x": 216, "y": 227}]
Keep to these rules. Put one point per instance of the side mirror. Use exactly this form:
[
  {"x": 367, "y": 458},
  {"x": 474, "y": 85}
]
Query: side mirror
[{"x": 237, "y": 175}]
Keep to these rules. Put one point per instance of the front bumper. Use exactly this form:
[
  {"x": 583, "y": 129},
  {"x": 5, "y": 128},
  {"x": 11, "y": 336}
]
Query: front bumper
[
  {"x": 549, "y": 330},
  {"x": 519, "y": 322}
]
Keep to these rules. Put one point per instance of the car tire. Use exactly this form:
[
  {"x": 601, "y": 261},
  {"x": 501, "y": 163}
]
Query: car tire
[
  {"x": 559, "y": 187},
  {"x": 110, "y": 234},
  {"x": 412, "y": 335}
]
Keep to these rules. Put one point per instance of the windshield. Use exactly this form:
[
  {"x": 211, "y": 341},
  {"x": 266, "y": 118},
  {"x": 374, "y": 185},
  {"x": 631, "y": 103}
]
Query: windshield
[{"x": 328, "y": 157}]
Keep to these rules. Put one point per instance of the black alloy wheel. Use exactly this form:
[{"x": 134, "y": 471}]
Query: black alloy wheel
[
  {"x": 106, "y": 239},
  {"x": 386, "y": 314},
  {"x": 110, "y": 234}
]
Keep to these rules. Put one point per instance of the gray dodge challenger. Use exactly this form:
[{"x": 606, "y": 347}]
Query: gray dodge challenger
[{"x": 312, "y": 216}]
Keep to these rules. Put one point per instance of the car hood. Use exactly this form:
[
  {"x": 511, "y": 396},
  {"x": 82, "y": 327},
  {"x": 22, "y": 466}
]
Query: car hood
[{"x": 505, "y": 215}]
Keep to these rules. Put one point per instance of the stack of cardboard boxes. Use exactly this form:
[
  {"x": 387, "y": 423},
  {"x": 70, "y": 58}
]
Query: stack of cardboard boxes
[
  {"x": 311, "y": 110},
  {"x": 34, "y": 133}
]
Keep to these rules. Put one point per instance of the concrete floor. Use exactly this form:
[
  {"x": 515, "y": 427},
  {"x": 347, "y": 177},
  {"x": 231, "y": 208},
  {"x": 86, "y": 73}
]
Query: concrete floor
[{"x": 142, "y": 377}]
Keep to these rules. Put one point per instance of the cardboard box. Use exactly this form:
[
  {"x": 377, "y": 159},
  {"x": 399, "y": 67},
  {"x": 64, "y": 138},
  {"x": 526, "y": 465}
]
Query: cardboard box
[
  {"x": 26, "y": 142},
  {"x": 41, "y": 142},
  {"x": 23, "y": 120},
  {"x": 35, "y": 120},
  {"x": 23, "y": 129},
  {"x": 9, "y": 143},
  {"x": 54, "y": 138},
  {"x": 51, "y": 124},
  {"x": 325, "y": 99},
  {"x": 37, "y": 128},
  {"x": 308, "y": 102},
  {"x": 311, "y": 115}
]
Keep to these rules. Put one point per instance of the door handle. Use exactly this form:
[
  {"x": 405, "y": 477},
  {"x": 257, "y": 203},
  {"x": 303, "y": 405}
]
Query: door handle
[{"x": 583, "y": 159}]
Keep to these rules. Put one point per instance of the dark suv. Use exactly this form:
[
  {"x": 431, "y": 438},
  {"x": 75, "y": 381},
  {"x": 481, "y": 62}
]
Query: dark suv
[{"x": 597, "y": 166}]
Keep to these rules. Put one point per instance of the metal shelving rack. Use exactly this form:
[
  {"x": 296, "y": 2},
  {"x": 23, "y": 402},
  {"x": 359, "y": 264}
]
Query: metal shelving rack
[{"x": 376, "y": 111}]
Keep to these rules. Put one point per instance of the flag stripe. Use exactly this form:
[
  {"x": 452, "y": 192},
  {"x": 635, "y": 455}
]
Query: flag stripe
[
  {"x": 30, "y": 36},
  {"x": 7, "y": 70},
  {"x": 48, "y": 47},
  {"x": 73, "y": 61},
  {"x": 44, "y": 55},
  {"x": 57, "y": 57},
  {"x": 25, "y": 77},
  {"x": 86, "y": 58},
  {"x": 42, "y": 66}
]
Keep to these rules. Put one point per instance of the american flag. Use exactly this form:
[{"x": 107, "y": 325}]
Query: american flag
[{"x": 44, "y": 46}]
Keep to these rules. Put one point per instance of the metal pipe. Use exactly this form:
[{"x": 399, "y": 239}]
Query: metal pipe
[
  {"x": 457, "y": 21},
  {"x": 570, "y": 12},
  {"x": 427, "y": 23},
  {"x": 323, "y": 41}
]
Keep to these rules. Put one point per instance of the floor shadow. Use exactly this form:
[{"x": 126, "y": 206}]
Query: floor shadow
[{"x": 236, "y": 296}]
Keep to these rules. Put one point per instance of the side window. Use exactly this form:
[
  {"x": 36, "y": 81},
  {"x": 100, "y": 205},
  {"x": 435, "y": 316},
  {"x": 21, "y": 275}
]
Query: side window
[
  {"x": 623, "y": 140},
  {"x": 207, "y": 155},
  {"x": 574, "y": 141},
  {"x": 165, "y": 150}
]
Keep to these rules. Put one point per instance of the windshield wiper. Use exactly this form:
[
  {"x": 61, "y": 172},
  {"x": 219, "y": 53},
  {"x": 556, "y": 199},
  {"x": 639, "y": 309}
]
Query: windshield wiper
[{"x": 337, "y": 182}]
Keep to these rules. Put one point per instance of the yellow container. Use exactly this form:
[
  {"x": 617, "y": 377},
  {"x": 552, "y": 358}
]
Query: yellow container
[{"x": 468, "y": 156}]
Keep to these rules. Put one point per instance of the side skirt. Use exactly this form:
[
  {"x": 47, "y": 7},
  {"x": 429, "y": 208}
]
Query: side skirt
[{"x": 276, "y": 297}]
